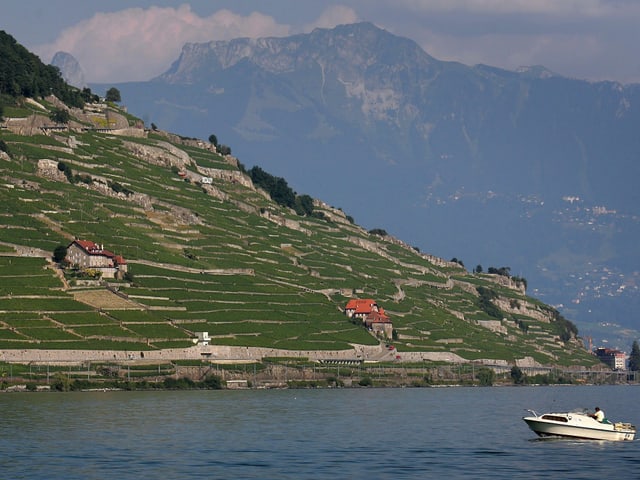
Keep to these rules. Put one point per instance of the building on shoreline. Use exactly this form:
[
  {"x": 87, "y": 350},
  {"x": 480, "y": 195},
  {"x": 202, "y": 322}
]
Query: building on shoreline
[{"x": 614, "y": 358}]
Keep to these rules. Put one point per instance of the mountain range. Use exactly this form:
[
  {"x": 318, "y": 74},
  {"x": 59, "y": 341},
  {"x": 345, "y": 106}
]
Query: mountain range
[{"x": 525, "y": 169}]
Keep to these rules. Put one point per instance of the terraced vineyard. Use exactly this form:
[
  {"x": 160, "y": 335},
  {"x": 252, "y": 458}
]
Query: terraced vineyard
[{"x": 224, "y": 258}]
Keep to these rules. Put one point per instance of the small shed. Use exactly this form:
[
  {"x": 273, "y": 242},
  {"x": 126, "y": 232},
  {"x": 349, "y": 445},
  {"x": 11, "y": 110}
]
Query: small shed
[{"x": 203, "y": 338}]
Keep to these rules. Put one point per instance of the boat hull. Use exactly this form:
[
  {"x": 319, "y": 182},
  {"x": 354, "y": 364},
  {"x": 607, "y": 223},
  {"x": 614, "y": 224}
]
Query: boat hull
[{"x": 579, "y": 428}]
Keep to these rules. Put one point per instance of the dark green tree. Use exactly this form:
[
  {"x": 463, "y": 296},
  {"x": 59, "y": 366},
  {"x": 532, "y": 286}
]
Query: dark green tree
[
  {"x": 113, "y": 95},
  {"x": 277, "y": 187},
  {"x": 212, "y": 382},
  {"x": 365, "y": 382},
  {"x": 504, "y": 271},
  {"x": 304, "y": 205},
  {"x": 516, "y": 375},
  {"x": 282, "y": 193},
  {"x": 61, "y": 382},
  {"x": 634, "y": 357},
  {"x": 486, "y": 376},
  {"x": 59, "y": 253},
  {"x": 60, "y": 115},
  {"x": 478, "y": 268},
  {"x": 458, "y": 261},
  {"x": 486, "y": 295},
  {"x": 66, "y": 169},
  {"x": 520, "y": 281},
  {"x": 88, "y": 96},
  {"x": 213, "y": 140}
]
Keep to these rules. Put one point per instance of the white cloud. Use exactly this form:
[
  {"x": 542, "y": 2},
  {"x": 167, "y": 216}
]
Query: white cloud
[
  {"x": 137, "y": 44},
  {"x": 332, "y": 16},
  {"x": 583, "y": 38}
]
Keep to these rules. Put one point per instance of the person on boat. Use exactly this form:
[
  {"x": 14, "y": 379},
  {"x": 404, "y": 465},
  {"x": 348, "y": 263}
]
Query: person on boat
[{"x": 598, "y": 415}]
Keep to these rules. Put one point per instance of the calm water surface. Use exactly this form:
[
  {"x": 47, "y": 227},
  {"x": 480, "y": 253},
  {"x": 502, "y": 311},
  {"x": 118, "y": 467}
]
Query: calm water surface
[{"x": 308, "y": 434}]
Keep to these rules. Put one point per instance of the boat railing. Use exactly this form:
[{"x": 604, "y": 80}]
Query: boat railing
[{"x": 623, "y": 426}]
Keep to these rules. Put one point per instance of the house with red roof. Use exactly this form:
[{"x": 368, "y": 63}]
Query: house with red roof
[
  {"x": 360, "y": 307},
  {"x": 89, "y": 255},
  {"x": 372, "y": 316},
  {"x": 379, "y": 323}
]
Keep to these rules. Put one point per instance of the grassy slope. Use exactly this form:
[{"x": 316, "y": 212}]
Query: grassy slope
[{"x": 290, "y": 300}]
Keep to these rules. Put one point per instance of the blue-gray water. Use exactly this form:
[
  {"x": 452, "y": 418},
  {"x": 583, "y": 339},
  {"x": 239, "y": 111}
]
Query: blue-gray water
[{"x": 308, "y": 434}]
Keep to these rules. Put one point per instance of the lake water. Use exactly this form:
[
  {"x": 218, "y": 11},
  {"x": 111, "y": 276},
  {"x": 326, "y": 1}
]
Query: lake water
[{"x": 308, "y": 434}]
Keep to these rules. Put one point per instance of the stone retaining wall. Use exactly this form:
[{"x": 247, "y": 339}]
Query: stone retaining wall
[{"x": 199, "y": 352}]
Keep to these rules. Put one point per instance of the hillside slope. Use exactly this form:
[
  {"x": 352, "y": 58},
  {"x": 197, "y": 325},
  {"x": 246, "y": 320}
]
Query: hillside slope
[
  {"x": 223, "y": 258},
  {"x": 403, "y": 140}
]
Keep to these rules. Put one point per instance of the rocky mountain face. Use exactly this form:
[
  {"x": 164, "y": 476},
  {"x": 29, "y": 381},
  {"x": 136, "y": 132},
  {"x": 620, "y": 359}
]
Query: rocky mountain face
[
  {"x": 524, "y": 169},
  {"x": 69, "y": 68}
]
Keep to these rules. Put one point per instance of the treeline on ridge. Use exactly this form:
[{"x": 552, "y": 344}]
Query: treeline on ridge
[
  {"x": 280, "y": 191},
  {"x": 23, "y": 74}
]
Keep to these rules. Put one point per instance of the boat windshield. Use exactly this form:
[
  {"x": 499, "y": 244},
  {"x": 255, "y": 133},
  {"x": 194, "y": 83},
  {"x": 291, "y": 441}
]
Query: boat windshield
[{"x": 556, "y": 418}]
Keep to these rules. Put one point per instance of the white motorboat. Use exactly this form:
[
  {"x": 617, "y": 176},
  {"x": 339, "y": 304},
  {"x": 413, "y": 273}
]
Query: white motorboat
[{"x": 578, "y": 425}]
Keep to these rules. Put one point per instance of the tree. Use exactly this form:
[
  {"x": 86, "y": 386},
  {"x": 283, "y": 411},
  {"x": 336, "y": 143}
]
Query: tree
[
  {"x": 365, "y": 382},
  {"x": 634, "y": 357},
  {"x": 61, "y": 382},
  {"x": 503, "y": 271},
  {"x": 458, "y": 261},
  {"x": 60, "y": 115},
  {"x": 484, "y": 301},
  {"x": 113, "y": 95},
  {"x": 212, "y": 382},
  {"x": 486, "y": 376},
  {"x": 277, "y": 187},
  {"x": 478, "y": 268},
  {"x": 59, "y": 253},
  {"x": 213, "y": 140},
  {"x": 88, "y": 96},
  {"x": 304, "y": 205},
  {"x": 516, "y": 375}
]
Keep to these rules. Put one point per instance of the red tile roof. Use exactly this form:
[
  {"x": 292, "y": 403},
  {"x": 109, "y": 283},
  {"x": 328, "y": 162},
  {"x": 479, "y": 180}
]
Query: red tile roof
[
  {"x": 92, "y": 248},
  {"x": 361, "y": 305},
  {"x": 377, "y": 317}
]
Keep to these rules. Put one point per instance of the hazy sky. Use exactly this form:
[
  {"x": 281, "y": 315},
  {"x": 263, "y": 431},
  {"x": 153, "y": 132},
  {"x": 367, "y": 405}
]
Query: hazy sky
[{"x": 124, "y": 40}]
